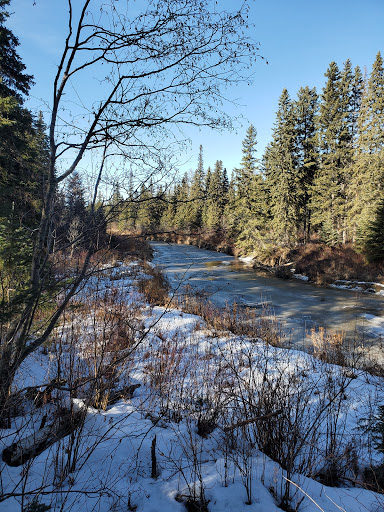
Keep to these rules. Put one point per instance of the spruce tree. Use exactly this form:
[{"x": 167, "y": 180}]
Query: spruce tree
[
  {"x": 368, "y": 175},
  {"x": 215, "y": 198},
  {"x": 372, "y": 243},
  {"x": 307, "y": 152},
  {"x": 245, "y": 213},
  {"x": 184, "y": 213},
  {"x": 330, "y": 192},
  {"x": 282, "y": 178},
  {"x": 197, "y": 193}
]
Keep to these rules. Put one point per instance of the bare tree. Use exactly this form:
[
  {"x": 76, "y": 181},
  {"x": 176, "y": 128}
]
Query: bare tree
[{"x": 128, "y": 75}]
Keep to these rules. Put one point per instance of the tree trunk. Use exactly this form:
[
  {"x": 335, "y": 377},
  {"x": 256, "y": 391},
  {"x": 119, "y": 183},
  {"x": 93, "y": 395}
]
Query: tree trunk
[{"x": 25, "y": 449}]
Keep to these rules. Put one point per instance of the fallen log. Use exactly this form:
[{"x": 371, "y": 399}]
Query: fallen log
[{"x": 25, "y": 449}]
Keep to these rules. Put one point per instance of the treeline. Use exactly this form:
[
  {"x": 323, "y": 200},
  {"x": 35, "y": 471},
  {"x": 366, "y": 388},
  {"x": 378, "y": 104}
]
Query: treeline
[{"x": 321, "y": 176}]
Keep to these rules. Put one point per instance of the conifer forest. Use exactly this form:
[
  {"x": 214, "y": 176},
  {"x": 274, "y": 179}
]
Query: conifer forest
[
  {"x": 321, "y": 175},
  {"x": 174, "y": 339}
]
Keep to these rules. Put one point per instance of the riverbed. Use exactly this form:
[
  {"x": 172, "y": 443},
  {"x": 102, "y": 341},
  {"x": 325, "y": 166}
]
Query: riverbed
[{"x": 301, "y": 306}]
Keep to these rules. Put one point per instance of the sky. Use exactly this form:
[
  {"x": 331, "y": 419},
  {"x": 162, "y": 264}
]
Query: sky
[{"x": 298, "y": 39}]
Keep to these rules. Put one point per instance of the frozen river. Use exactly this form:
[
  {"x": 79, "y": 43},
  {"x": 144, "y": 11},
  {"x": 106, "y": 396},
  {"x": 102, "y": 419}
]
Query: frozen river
[{"x": 301, "y": 306}]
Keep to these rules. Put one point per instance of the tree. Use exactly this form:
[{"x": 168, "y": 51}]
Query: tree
[
  {"x": 336, "y": 122},
  {"x": 368, "y": 173},
  {"x": 246, "y": 217},
  {"x": 14, "y": 81},
  {"x": 197, "y": 193},
  {"x": 305, "y": 111},
  {"x": 282, "y": 179},
  {"x": 161, "y": 68},
  {"x": 215, "y": 198},
  {"x": 373, "y": 240}
]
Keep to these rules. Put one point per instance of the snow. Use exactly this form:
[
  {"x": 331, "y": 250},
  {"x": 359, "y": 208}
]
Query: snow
[
  {"x": 301, "y": 277},
  {"x": 376, "y": 324},
  {"x": 188, "y": 371}
]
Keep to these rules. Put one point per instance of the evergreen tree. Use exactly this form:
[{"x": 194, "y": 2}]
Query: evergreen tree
[
  {"x": 368, "y": 175},
  {"x": 130, "y": 205},
  {"x": 245, "y": 213},
  {"x": 307, "y": 152},
  {"x": 373, "y": 241},
  {"x": 215, "y": 198},
  {"x": 197, "y": 194},
  {"x": 282, "y": 179},
  {"x": 14, "y": 82},
  {"x": 330, "y": 192},
  {"x": 167, "y": 220},
  {"x": 183, "y": 215},
  {"x": 145, "y": 219},
  {"x": 23, "y": 158}
]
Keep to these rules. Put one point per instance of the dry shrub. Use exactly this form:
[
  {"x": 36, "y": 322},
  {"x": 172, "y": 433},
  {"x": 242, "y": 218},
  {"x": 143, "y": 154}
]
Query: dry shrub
[
  {"x": 245, "y": 321},
  {"x": 131, "y": 245},
  {"x": 211, "y": 239},
  {"x": 328, "y": 346},
  {"x": 155, "y": 287},
  {"x": 324, "y": 264}
]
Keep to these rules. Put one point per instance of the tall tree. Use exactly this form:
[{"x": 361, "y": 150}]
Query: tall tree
[
  {"x": 215, "y": 198},
  {"x": 164, "y": 65},
  {"x": 282, "y": 178},
  {"x": 307, "y": 151},
  {"x": 368, "y": 176},
  {"x": 13, "y": 79},
  {"x": 330, "y": 198},
  {"x": 246, "y": 217},
  {"x": 197, "y": 193}
]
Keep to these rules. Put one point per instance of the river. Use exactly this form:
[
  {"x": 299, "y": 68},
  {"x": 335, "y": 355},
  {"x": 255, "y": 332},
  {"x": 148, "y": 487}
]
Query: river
[{"x": 300, "y": 305}]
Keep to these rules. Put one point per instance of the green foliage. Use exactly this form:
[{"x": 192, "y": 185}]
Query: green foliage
[
  {"x": 35, "y": 506},
  {"x": 13, "y": 80},
  {"x": 372, "y": 240},
  {"x": 282, "y": 179},
  {"x": 368, "y": 172}
]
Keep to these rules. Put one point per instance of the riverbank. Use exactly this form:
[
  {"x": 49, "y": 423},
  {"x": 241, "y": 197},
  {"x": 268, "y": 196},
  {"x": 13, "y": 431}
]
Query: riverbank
[
  {"x": 185, "y": 415},
  {"x": 316, "y": 261}
]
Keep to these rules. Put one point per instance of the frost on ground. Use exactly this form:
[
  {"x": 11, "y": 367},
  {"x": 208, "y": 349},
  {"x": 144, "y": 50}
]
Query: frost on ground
[{"x": 219, "y": 423}]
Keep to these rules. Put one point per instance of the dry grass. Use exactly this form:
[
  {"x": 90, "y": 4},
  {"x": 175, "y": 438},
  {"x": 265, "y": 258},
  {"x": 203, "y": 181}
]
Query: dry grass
[
  {"x": 154, "y": 286},
  {"x": 243, "y": 321},
  {"x": 328, "y": 346}
]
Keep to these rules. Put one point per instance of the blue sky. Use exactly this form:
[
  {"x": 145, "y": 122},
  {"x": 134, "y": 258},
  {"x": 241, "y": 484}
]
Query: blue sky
[{"x": 298, "y": 39}]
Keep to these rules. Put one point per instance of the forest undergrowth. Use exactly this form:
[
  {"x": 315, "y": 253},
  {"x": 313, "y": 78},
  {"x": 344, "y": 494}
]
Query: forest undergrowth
[{"x": 163, "y": 391}]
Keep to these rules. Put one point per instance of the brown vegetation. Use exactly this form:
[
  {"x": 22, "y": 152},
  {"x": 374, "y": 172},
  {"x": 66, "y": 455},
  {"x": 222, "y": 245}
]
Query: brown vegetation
[{"x": 324, "y": 264}]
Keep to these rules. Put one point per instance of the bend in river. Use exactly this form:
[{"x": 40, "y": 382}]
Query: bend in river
[{"x": 300, "y": 305}]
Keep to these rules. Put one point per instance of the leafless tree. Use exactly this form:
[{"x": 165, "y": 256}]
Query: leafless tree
[{"x": 129, "y": 77}]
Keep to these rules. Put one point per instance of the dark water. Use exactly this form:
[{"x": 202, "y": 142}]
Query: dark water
[{"x": 301, "y": 306}]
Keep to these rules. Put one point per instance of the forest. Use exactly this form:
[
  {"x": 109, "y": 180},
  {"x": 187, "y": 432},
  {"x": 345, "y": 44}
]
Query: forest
[
  {"x": 321, "y": 177},
  {"x": 123, "y": 391}
]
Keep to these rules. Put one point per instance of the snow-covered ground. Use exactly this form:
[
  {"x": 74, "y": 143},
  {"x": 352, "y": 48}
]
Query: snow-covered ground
[{"x": 198, "y": 408}]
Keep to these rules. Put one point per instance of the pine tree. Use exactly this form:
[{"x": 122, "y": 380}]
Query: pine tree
[
  {"x": 13, "y": 80},
  {"x": 183, "y": 215},
  {"x": 167, "y": 220},
  {"x": 215, "y": 198},
  {"x": 373, "y": 241},
  {"x": 145, "y": 220},
  {"x": 368, "y": 175},
  {"x": 245, "y": 213}
]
